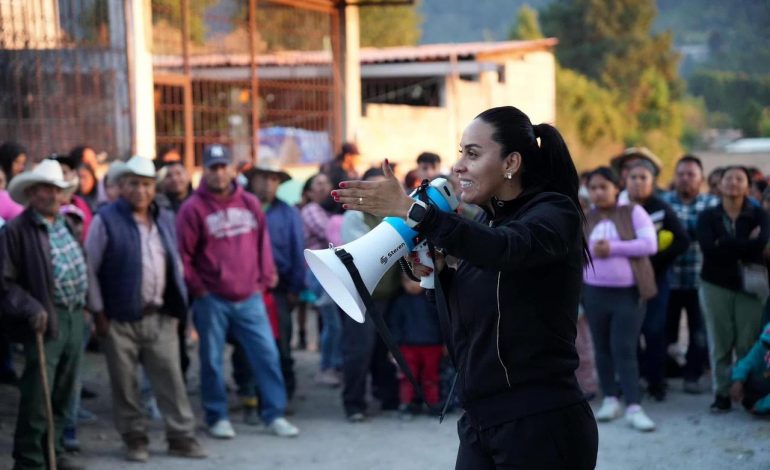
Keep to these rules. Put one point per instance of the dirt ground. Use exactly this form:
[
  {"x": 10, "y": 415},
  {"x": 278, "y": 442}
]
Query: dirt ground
[{"x": 687, "y": 436}]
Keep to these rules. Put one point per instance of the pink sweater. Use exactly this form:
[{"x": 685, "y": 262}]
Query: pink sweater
[
  {"x": 615, "y": 271},
  {"x": 8, "y": 207}
]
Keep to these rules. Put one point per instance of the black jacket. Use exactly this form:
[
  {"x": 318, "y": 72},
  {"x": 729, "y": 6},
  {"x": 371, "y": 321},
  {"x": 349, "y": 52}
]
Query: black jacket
[
  {"x": 513, "y": 302},
  {"x": 725, "y": 245},
  {"x": 26, "y": 278},
  {"x": 664, "y": 218}
]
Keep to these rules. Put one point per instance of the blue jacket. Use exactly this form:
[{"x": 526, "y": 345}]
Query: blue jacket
[
  {"x": 414, "y": 321},
  {"x": 120, "y": 273},
  {"x": 287, "y": 238},
  {"x": 756, "y": 363}
]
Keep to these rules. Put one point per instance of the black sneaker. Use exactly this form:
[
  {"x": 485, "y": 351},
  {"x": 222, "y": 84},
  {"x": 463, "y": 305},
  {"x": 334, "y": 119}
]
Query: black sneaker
[
  {"x": 722, "y": 404},
  {"x": 657, "y": 392}
]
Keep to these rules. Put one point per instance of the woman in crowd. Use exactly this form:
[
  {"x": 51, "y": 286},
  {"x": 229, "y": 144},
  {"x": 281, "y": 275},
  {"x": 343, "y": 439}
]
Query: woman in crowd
[
  {"x": 672, "y": 242},
  {"x": 620, "y": 280},
  {"x": 316, "y": 219},
  {"x": 88, "y": 186},
  {"x": 512, "y": 338},
  {"x": 732, "y": 236}
]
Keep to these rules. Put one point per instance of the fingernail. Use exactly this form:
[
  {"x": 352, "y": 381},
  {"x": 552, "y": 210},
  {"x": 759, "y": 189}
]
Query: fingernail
[
  {"x": 344, "y": 206},
  {"x": 336, "y": 199},
  {"x": 343, "y": 185},
  {"x": 334, "y": 193}
]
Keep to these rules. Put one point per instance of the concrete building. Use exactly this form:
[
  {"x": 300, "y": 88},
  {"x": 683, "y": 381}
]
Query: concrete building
[{"x": 412, "y": 99}]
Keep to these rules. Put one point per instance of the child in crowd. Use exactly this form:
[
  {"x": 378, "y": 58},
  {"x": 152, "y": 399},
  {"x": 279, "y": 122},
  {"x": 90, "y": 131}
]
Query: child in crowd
[
  {"x": 415, "y": 327},
  {"x": 751, "y": 377}
]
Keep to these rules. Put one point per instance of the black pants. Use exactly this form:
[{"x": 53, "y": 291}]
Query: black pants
[
  {"x": 363, "y": 352},
  {"x": 565, "y": 438},
  {"x": 697, "y": 350}
]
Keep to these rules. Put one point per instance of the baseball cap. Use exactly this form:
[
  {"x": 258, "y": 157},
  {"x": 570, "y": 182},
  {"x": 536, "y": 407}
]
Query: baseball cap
[{"x": 216, "y": 155}]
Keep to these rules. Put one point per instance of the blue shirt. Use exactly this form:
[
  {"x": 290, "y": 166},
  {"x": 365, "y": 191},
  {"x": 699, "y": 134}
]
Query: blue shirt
[{"x": 287, "y": 238}]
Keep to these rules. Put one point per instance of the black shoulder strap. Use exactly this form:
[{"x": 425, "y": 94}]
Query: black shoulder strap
[
  {"x": 377, "y": 318},
  {"x": 443, "y": 316}
]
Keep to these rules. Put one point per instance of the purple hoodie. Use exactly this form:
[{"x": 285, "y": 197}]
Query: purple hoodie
[{"x": 225, "y": 245}]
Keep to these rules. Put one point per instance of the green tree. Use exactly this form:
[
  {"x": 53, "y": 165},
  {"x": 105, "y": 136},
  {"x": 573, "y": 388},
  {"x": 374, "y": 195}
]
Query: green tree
[
  {"x": 170, "y": 11},
  {"x": 527, "y": 25},
  {"x": 388, "y": 26},
  {"x": 611, "y": 41}
]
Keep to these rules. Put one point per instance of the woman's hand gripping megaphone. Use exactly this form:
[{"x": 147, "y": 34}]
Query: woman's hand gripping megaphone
[
  {"x": 384, "y": 198},
  {"x": 423, "y": 265}
]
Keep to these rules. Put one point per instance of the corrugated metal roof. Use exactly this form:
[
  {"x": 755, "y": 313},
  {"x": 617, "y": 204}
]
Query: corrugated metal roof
[{"x": 368, "y": 55}]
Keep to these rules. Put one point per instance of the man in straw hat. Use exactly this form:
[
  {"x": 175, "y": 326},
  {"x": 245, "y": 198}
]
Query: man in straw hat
[
  {"x": 44, "y": 277},
  {"x": 287, "y": 241},
  {"x": 132, "y": 248}
]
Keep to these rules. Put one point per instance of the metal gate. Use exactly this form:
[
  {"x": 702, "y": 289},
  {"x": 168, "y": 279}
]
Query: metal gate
[
  {"x": 63, "y": 79},
  {"x": 223, "y": 51}
]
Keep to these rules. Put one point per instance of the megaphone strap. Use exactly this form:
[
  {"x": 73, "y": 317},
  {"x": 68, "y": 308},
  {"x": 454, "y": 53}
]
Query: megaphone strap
[{"x": 379, "y": 321}]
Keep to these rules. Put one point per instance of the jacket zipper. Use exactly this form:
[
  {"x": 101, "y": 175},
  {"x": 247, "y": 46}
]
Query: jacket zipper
[{"x": 499, "y": 316}]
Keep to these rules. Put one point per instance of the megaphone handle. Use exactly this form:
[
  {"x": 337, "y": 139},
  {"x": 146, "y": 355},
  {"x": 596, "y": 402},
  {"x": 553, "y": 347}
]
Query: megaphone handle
[{"x": 423, "y": 253}]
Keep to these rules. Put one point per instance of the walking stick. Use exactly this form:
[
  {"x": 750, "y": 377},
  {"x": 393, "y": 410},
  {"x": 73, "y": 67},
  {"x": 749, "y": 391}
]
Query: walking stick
[{"x": 47, "y": 400}]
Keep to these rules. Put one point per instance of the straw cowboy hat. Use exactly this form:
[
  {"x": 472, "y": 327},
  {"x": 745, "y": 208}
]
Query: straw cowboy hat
[
  {"x": 636, "y": 152},
  {"x": 136, "y": 165},
  {"x": 270, "y": 165},
  {"x": 47, "y": 172}
]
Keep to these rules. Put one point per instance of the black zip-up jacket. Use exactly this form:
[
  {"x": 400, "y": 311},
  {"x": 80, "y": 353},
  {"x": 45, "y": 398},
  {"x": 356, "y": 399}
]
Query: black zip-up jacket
[
  {"x": 725, "y": 245},
  {"x": 513, "y": 302},
  {"x": 664, "y": 218}
]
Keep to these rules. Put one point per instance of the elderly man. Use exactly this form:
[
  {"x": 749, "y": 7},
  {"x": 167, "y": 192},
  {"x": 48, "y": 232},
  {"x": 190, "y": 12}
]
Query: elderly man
[
  {"x": 44, "y": 277},
  {"x": 132, "y": 248},
  {"x": 228, "y": 264}
]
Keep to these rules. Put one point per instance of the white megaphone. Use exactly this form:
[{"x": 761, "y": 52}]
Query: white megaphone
[{"x": 375, "y": 253}]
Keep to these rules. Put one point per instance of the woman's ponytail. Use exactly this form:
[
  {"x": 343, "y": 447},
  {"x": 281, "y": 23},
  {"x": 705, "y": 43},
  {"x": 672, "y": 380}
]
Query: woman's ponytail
[{"x": 555, "y": 167}]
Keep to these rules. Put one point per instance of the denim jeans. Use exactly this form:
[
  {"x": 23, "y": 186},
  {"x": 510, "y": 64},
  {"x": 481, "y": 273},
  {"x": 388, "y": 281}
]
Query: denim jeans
[
  {"x": 615, "y": 316},
  {"x": 331, "y": 337},
  {"x": 652, "y": 359},
  {"x": 249, "y": 325}
]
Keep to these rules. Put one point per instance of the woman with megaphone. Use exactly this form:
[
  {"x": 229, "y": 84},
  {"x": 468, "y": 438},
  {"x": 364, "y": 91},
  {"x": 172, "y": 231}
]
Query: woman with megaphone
[{"x": 513, "y": 294}]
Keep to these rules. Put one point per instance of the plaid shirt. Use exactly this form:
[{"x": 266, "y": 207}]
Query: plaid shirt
[
  {"x": 69, "y": 267},
  {"x": 685, "y": 273}
]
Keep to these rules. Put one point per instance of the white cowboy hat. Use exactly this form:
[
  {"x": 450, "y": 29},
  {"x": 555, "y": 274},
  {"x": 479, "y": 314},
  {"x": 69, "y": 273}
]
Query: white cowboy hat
[
  {"x": 136, "y": 165},
  {"x": 47, "y": 172},
  {"x": 271, "y": 165}
]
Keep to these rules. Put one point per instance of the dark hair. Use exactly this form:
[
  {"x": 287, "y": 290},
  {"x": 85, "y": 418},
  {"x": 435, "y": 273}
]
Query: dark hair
[
  {"x": 309, "y": 183},
  {"x": 759, "y": 185},
  {"x": 718, "y": 172},
  {"x": 411, "y": 179},
  {"x": 372, "y": 172},
  {"x": 88, "y": 168},
  {"x": 689, "y": 158},
  {"x": 548, "y": 165},
  {"x": 9, "y": 151},
  {"x": 606, "y": 173},
  {"x": 429, "y": 158},
  {"x": 742, "y": 168},
  {"x": 76, "y": 154}
]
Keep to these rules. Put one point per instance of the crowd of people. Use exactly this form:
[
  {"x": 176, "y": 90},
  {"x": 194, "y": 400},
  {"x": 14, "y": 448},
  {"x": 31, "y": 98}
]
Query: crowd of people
[{"x": 131, "y": 253}]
